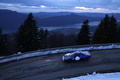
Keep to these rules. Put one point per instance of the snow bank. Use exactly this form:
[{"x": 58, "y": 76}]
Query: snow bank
[
  {"x": 1, "y": 57},
  {"x": 20, "y": 55},
  {"x": 94, "y": 76}
]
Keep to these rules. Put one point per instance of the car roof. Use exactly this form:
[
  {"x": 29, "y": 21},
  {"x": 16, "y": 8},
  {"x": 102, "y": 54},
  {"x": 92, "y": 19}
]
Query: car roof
[
  {"x": 69, "y": 54},
  {"x": 77, "y": 52}
]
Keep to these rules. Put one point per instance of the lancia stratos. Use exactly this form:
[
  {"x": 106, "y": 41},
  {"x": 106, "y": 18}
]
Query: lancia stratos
[{"x": 76, "y": 56}]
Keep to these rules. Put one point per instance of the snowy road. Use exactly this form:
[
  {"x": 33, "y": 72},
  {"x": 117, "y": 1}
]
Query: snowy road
[{"x": 51, "y": 67}]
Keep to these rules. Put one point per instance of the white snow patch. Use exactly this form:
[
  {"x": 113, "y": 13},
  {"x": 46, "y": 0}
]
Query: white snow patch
[
  {"x": 86, "y": 52},
  {"x": 97, "y": 76},
  {"x": 20, "y": 55}
]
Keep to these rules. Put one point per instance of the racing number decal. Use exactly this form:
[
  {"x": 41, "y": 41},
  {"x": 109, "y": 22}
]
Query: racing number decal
[{"x": 77, "y": 58}]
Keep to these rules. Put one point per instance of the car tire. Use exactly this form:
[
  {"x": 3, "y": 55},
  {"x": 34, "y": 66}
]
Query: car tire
[
  {"x": 77, "y": 58},
  {"x": 86, "y": 59}
]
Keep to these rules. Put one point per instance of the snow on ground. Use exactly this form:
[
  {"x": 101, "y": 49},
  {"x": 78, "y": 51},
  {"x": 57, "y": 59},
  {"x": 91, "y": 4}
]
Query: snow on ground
[
  {"x": 1, "y": 57},
  {"x": 20, "y": 55},
  {"x": 94, "y": 76}
]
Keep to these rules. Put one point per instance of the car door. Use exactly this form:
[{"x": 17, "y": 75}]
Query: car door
[{"x": 83, "y": 56}]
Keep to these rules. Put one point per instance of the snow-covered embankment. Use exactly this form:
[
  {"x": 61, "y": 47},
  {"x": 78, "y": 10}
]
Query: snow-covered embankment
[
  {"x": 20, "y": 55},
  {"x": 97, "y": 76}
]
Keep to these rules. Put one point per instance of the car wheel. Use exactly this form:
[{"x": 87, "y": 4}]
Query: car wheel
[
  {"x": 86, "y": 59},
  {"x": 77, "y": 58}
]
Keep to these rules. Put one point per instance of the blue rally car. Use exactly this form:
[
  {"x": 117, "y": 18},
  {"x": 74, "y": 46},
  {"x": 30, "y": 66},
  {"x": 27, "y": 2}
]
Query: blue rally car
[{"x": 76, "y": 56}]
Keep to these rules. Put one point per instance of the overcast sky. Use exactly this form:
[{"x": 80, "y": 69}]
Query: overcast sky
[{"x": 101, "y": 6}]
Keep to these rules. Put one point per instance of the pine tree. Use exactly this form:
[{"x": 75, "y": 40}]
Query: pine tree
[
  {"x": 106, "y": 25},
  {"x": 46, "y": 40},
  {"x": 27, "y": 36},
  {"x": 57, "y": 40},
  {"x": 3, "y": 43},
  {"x": 118, "y": 35},
  {"x": 84, "y": 34},
  {"x": 41, "y": 38},
  {"x": 106, "y": 31},
  {"x": 112, "y": 37},
  {"x": 53, "y": 40},
  {"x": 98, "y": 36}
]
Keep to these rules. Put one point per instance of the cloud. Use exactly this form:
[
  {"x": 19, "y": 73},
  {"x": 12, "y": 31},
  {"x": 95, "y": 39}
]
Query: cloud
[
  {"x": 25, "y": 8},
  {"x": 83, "y": 8},
  {"x": 43, "y": 6},
  {"x": 61, "y": 5},
  {"x": 97, "y": 10}
]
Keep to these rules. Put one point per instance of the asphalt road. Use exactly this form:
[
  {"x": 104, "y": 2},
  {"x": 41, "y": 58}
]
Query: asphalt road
[{"x": 51, "y": 67}]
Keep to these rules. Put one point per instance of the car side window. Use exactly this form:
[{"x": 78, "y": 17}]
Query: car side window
[
  {"x": 82, "y": 54},
  {"x": 77, "y": 54}
]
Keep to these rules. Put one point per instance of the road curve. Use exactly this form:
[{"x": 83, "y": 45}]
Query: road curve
[{"x": 51, "y": 67}]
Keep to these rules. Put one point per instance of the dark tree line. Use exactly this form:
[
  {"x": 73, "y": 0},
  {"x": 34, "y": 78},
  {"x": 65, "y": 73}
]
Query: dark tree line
[
  {"x": 29, "y": 37},
  {"x": 60, "y": 40},
  {"x": 43, "y": 39},
  {"x": 106, "y": 31},
  {"x": 3, "y": 43}
]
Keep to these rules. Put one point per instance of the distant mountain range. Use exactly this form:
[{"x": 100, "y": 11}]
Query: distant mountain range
[
  {"x": 65, "y": 20},
  {"x": 41, "y": 15},
  {"x": 10, "y": 21}
]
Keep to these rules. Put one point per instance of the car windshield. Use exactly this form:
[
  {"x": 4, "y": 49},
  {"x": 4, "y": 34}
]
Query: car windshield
[
  {"x": 69, "y": 55},
  {"x": 77, "y": 52}
]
